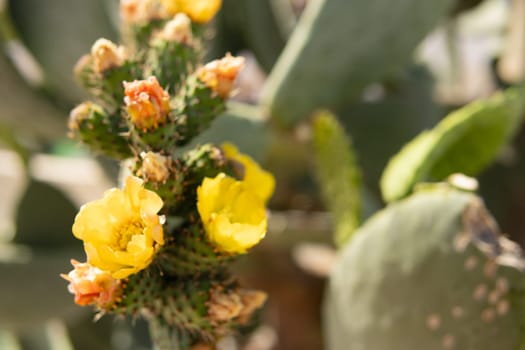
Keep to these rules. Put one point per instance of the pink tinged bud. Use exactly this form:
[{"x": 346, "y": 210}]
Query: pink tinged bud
[
  {"x": 92, "y": 286},
  {"x": 106, "y": 55},
  {"x": 147, "y": 103},
  {"x": 220, "y": 75}
]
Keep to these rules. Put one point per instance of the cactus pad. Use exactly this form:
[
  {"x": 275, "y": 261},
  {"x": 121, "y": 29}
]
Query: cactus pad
[{"x": 430, "y": 272}]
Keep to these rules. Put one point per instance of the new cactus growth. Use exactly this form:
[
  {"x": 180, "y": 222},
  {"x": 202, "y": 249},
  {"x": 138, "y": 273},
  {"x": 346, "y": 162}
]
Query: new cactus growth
[
  {"x": 159, "y": 247},
  {"x": 432, "y": 271}
]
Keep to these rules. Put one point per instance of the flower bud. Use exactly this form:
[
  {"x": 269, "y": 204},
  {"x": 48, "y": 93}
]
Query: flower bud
[
  {"x": 155, "y": 167},
  {"x": 178, "y": 29},
  {"x": 147, "y": 103},
  {"x": 78, "y": 115},
  {"x": 141, "y": 11},
  {"x": 219, "y": 75},
  {"x": 92, "y": 286},
  {"x": 106, "y": 55}
]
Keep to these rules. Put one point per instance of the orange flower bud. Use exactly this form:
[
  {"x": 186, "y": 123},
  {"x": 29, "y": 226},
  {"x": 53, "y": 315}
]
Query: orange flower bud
[
  {"x": 92, "y": 286},
  {"x": 219, "y": 75},
  {"x": 147, "y": 103}
]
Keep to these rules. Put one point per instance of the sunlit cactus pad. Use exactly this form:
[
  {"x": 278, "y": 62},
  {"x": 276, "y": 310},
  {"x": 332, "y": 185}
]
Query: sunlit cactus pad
[{"x": 431, "y": 272}]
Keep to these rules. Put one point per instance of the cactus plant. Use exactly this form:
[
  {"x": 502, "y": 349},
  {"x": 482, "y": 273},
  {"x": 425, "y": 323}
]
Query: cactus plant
[
  {"x": 316, "y": 70},
  {"x": 481, "y": 128},
  {"x": 159, "y": 248},
  {"x": 432, "y": 271}
]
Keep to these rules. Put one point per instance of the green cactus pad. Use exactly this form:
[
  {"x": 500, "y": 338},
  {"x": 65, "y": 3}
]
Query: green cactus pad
[
  {"x": 179, "y": 190},
  {"x": 195, "y": 108},
  {"x": 106, "y": 87},
  {"x": 101, "y": 132},
  {"x": 171, "y": 63},
  {"x": 187, "y": 252},
  {"x": 340, "y": 46},
  {"x": 430, "y": 272},
  {"x": 338, "y": 174},
  {"x": 196, "y": 309},
  {"x": 465, "y": 141}
]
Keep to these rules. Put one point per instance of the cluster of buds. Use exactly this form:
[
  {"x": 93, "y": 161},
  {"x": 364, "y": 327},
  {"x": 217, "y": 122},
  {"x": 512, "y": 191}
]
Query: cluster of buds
[{"x": 160, "y": 246}]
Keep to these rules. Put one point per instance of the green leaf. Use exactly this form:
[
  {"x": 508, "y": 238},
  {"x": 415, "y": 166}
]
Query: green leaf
[
  {"x": 338, "y": 174},
  {"x": 466, "y": 141}
]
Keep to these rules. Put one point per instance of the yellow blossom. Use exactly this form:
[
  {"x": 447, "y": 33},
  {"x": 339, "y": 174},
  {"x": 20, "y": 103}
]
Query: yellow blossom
[
  {"x": 258, "y": 180},
  {"x": 234, "y": 217},
  {"x": 147, "y": 103},
  {"x": 121, "y": 231},
  {"x": 92, "y": 286},
  {"x": 200, "y": 11},
  {"x": 220, "y": 75}
]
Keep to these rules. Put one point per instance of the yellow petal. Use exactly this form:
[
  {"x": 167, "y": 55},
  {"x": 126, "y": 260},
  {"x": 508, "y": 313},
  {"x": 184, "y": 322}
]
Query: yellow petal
[
  {"x": 200, "y": 11},
  {"x": 257, "y": 179}
]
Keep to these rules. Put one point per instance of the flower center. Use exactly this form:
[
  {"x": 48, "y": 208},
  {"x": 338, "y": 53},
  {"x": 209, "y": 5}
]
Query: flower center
[{"x": 126, "y": 232}]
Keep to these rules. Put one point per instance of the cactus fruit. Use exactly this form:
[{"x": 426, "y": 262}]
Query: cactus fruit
[{"x": 429, "y": 272}]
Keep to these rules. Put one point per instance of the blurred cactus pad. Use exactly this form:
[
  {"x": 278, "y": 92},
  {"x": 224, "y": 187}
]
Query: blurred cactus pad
[{"x": 432, "y": 271}]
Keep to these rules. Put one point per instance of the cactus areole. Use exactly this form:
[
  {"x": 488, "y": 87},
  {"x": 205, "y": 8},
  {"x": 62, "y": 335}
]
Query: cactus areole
[{"x": 430, "y": 272}]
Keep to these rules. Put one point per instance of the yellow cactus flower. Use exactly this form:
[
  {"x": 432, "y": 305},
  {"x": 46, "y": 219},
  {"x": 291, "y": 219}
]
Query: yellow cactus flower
[
  {"x": 92, "y": 286},
  {"x": 121, "y": 231},
  {"x": 200, "y": 11},
  {"x": 147, "y": 103},
  {"x": 260, "y": 181},
  {"x": 234, "y": 217}
]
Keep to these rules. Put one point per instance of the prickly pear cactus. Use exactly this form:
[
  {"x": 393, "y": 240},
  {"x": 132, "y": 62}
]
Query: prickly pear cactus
[
  {"x": 159, "y": 248},
  {"x": 432, "y": 271}
]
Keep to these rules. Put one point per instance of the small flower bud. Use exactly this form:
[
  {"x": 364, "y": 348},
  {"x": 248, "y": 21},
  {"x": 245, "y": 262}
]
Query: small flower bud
[
  {"x": 79, "y": 114},
  {"x": 219, "y": 75},
  {"x": 141, "y": 11},
  {"x": 155, "y": 167},
  {"x": 200, "y": 11},
  {"x": 178, "y": 29},
  {"x": 147, "y": 103},
  {"x": 251, "y": 301},
  {"x": 223, "y": 306},
  {"x": 106, "y": 55},
  {"x": 92, "y": 286}
]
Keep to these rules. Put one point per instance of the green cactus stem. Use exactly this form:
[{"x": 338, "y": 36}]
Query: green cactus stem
[
  {"x": 429, "y": 272},
  {"x": 102, "y": 132},
  {"x": 188, "y": 310},
  {"x": 177, "y": 186},
  {"x": 188, "y": 252},
  {"x": 171, "y": 62}
]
